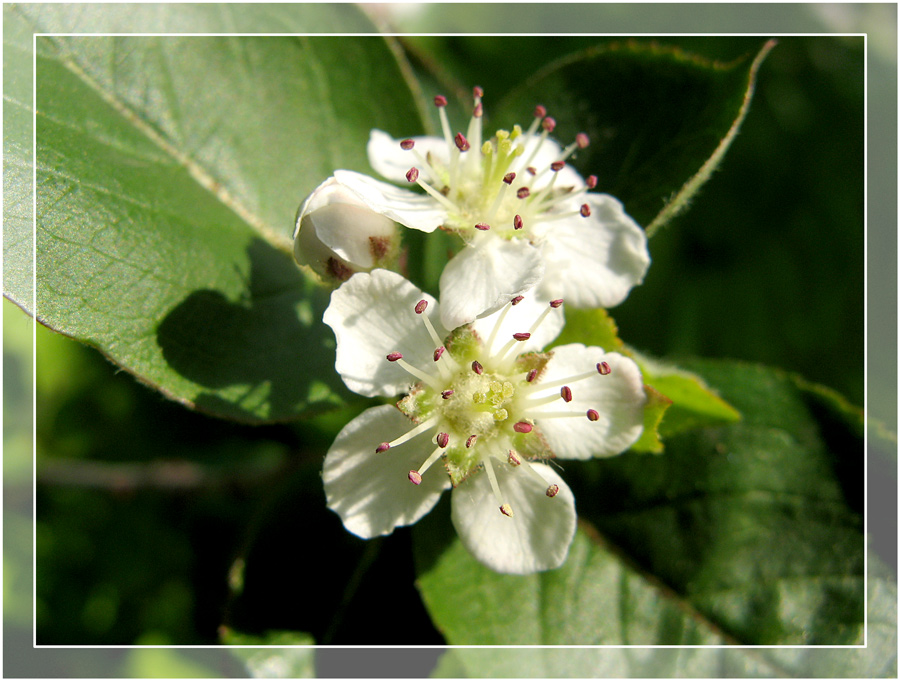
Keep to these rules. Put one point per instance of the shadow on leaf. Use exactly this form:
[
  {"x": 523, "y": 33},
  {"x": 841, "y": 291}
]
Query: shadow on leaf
[{"x": 265, "y": 356}]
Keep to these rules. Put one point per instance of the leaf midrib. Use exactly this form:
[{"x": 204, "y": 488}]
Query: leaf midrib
[{"x": 198, "y": 172}]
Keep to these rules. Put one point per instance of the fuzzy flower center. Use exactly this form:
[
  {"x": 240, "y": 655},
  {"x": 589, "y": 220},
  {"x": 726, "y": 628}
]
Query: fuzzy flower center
[
  {"x": 497, "y": 186},
  {"x": 479, "y": 399}
]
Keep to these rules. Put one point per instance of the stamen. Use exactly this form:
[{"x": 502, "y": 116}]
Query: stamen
[
  {"x": 582, "y": 140},
  {"x": 505, "y": 508},
  {"x": 406, "y": 145},
  {"x": 556, "y": 303},
  {"x": 517, "y": 222},
  {"x": 523, "y": 193},
  {"x": 591, "y": 181},
  {"x": 410, "y": 434},
  {"x": 446, "y": 394},
  {"x": 434, "y": 456},
  {"x": 482, "y": 226},
  {"x": 517, "y": 300},
  {"x": 531, "y": 375},
  {"x": 513, "y": 459},
  {"x": 394, "y": 356},
  {"x": 477, "y": 368},
  {"x": 415, "y": 478},
  {"x": 428, "y": 379},
  {"x": 471, "y": 441},
  {"x": 521, "y": 336},
  {"x": 523, "y": 427},
  {"x": 604, "y": 369},
  {"x": 421, "y": 306},
  {"x": 566, "y": 393},
  {"x": 443, "y": 439},
  {"x": 585, "y": 210},
  {"x": 438, "y": 352},
  {"x": 552, "y": 490},
  {"x": 592, "y": 415},
  {"x": 383, "y": 447},
  {"x": 412, "y": 175},
  {"x": 461, "y": 142}
]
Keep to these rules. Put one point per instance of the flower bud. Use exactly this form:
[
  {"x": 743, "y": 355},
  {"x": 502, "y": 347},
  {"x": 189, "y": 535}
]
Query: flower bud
[{"x": 337, "y": 234}]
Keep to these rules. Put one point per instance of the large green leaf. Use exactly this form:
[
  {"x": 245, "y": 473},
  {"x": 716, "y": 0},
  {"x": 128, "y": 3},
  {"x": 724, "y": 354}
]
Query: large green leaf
[
  {"x": 660, "y": 120},
  {"x": 747, "y": 533},
  {"x": 169, "y": 172}
]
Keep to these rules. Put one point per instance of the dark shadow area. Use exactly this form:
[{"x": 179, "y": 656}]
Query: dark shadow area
[
  {"x": 305, "y": 572},
  {"x": 272, "y": 334}
]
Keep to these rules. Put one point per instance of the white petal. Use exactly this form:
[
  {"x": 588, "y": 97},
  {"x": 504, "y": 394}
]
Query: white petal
[
  {"x": 618, "y": 398},
  {"x": 373, "y": 314},
  {"x": 371, "y": 490},
  {"x": 485, "y": 276},
  {"x": 535, "y": 538},
  {"x": 416, "y": 211},
  {"x": 335, "y": 222},
  {"x": 594, "y": 261},
  {"x": 392, "y": 162},
  {"x": 520, "y": 318}
]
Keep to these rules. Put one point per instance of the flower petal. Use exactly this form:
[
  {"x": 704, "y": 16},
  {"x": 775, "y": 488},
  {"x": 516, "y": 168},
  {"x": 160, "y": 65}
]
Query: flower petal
[
  {"x": 535, "y": 538},
  {"x": 335, "y": 222},
  {"x": 594, "y": 261},
  {"x": 392, "y": 162},
  {"x": 484, "y": 276},
  {"x": 416, "y": 211},
  {"x": 520, "y": 318},
  {"x": 373, "y": 314},
  {"x": 618, "y": 398},
  {"x": 370, "y": 490}
]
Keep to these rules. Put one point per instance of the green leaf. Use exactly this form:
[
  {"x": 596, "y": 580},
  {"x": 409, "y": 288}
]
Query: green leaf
[
  {"x": 878, "y": 659},
  {"x": 660, "y": 120},
  {"x": 694, "y": 403},
  {"x": 654, "y": 412},
  {"x": 169, "y": 172},
  {"x": 264, "y": 659},
  {"x": 748, "y": 532}
]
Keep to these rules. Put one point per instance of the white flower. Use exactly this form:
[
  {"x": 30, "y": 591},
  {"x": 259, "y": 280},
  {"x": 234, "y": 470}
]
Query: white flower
[
  {"x": 484, "y": 402},
  {"x": 339, "y": 233},
  {"x": 526, "y": 217}
]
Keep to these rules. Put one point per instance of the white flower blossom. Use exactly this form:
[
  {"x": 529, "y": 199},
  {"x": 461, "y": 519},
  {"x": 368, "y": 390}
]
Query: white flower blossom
[
  {"x": 526, "y": 218},
  {"x": 484, "y": 401}
]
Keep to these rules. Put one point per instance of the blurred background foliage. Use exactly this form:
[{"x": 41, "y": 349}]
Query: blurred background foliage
[{"x": 147, "y": 514}]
